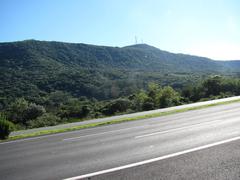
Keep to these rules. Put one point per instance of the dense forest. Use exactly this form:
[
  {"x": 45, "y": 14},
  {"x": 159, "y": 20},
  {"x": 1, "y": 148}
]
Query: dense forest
[
  {"x": 61, "y": 107},
  {"x": 31, "y": 69},
  {"x": 47, "y": 83}
]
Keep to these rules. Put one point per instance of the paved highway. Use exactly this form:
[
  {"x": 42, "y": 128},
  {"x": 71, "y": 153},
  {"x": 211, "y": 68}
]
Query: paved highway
[
  {"x": 215, "y": 163},
  {"x": 161, "y": 141}
]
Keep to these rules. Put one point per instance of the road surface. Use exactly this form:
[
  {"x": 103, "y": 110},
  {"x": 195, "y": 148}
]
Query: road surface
[{"x": 178, "y": 143}]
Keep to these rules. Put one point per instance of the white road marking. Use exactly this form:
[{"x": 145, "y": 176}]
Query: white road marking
[
  {"x": 72, "y": 132},
  {"x": 234, "y": 132},
  {"x": 153, "y": 160},
  {"x": 89, "y": 135},
  {"x": 146, "y": 135},
  {"x": 22, "y": 140},
  {"x": 57, "y": 134},
  {"x": 181, "y": 128}
]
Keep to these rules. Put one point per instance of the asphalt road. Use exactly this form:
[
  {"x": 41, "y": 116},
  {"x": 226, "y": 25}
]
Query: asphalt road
[
  {"x": 86, "y": 151},
  {"x": 216, "y": 163}
]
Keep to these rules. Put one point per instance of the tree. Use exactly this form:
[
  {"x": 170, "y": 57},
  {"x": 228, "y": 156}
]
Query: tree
[
  {"x": 16, "y": 110},
  {"x": 85, "y": 110},
  {"x": 152, "y": 90},
  {"x": 139, "y": 100},
  {"x": 193, "y": 93},
  {"x": 213, "y": 86},
  {"x": 168, "y": 97}
]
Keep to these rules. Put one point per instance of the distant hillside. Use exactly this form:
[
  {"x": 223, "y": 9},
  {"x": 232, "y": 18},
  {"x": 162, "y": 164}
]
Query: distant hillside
[{"x": 33, "y": 68}]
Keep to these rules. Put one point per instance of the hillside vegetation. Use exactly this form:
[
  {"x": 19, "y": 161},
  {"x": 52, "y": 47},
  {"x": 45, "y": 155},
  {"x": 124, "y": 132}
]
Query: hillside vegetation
[
  {"x": 33, "y": 68},
  {"x": 46, "y": 83}
]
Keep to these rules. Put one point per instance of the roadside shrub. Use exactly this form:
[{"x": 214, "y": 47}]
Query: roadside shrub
[
  {"x": 21, "y": 111},
  {"x": 168, "y": 97},
  {"x": 118, "y": 105},
  {"x": 146, "y": 106},
  {"x": 46, "y": 119},
  {"x": 33, "y": 111},
  {"x": 5, "y": 127},
  {"x": 16, "y": 110}
]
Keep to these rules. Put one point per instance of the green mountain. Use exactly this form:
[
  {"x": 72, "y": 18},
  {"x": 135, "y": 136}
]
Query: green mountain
[{"x": 34, "y": 68}]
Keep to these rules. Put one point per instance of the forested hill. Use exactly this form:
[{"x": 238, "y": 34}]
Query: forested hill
[
  {"x": 34, "y": 68},
  {"x": 135, "y": 57}
]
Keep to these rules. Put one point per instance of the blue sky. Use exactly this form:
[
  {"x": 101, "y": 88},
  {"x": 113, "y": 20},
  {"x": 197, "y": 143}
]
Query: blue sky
[{"x": 208, "y": 28}]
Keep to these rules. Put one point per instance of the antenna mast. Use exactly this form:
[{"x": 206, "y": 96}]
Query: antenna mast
[{"x": 136, "y": 41}]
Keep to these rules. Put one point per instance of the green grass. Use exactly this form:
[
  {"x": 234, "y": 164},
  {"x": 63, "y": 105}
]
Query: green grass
[{"x": 115, "y": 121}]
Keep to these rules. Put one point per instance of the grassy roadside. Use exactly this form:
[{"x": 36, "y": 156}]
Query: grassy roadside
[{"x": 115, "y": 121}]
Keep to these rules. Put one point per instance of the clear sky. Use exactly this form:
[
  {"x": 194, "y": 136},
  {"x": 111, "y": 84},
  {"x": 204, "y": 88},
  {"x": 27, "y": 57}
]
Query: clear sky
[{"x": 208, "y": 28}]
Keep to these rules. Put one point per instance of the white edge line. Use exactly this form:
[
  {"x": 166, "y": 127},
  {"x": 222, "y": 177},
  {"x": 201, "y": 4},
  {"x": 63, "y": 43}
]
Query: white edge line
[{"x": 153, "y": 160}]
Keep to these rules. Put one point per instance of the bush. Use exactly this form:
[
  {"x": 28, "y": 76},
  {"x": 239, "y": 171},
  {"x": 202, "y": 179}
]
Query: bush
[
  {"x": 168, "y": 97},
  {"x": 33, "y": 111},
  {"x": 21, "y": 111},
  {"x": 147, "y": 106},
  {"x": 46, "y": 119},
  {"x": 5, "y": 127},
  {"x": 118, "y": 105},
  {"x": 16, "y": 110}
]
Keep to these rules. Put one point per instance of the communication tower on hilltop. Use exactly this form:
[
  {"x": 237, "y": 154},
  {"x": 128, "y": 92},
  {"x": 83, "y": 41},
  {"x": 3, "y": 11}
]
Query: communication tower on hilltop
[{"x": 136, "y": 40}]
